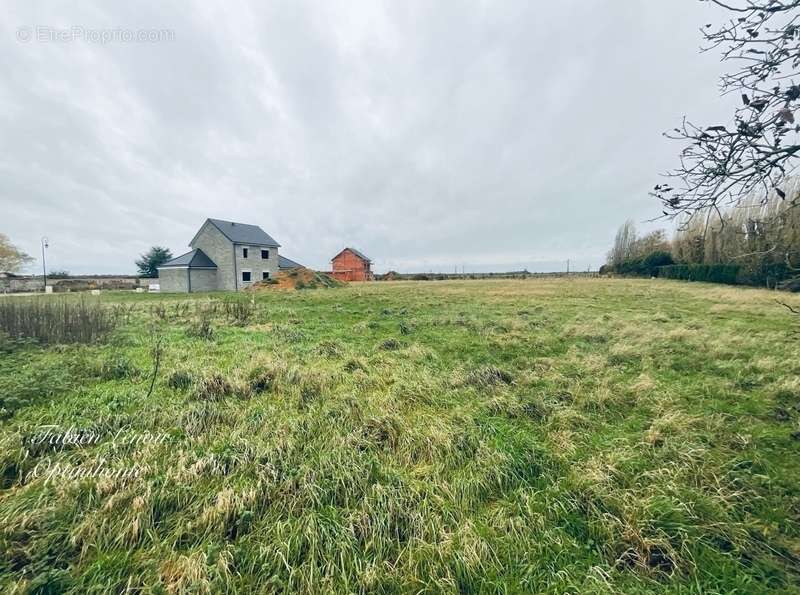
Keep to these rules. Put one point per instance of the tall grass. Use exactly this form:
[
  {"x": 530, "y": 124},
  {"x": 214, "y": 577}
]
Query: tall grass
[{"x": 51, "y": 321}]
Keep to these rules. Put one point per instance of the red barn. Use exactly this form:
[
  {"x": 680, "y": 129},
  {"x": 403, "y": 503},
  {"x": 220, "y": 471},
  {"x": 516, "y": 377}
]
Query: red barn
[{"x": 351, "y": 265}]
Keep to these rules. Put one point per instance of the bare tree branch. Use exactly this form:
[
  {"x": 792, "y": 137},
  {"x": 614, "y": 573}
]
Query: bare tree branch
[{"x": 724, "y": 163}]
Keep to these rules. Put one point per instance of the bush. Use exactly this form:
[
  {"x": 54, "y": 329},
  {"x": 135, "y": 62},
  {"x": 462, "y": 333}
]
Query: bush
[
  {"x": 711, "y": 273},
  {"x": 646, "y": 266},
  {"x": 766, "y": 274},
  {"x": 654, "y": 260}
]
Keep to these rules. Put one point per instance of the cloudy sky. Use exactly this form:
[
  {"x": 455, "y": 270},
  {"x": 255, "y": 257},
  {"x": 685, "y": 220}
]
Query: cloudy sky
[{"x": 430, "y": 135}]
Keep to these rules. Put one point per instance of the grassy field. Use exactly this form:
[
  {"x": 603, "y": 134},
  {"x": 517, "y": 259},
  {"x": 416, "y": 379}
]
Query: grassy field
[{"x": 584, "y": 436}]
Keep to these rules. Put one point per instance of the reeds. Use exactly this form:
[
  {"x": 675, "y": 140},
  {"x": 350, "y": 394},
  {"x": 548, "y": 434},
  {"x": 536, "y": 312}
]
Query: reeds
[{"x": 51, "y": 320}]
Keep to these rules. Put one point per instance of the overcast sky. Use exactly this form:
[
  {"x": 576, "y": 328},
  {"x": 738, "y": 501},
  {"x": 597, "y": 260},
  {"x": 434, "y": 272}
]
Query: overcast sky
[{"x": 428, "y": 134}]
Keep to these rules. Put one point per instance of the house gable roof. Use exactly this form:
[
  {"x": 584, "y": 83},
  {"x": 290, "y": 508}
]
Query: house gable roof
[
  {"x": 240, "y": 233},
  {"x": 288, "y": 263},
  {"x": 361, "y": 255},
  {"x": 196, "y": 259}
]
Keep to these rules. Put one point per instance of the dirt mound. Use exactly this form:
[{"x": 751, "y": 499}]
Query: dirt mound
[{"x": 300, "y": 278}]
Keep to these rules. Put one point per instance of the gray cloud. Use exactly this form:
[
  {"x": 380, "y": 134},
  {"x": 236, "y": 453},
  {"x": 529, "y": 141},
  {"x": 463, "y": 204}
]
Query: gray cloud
[{"x": 429, "y": 135}]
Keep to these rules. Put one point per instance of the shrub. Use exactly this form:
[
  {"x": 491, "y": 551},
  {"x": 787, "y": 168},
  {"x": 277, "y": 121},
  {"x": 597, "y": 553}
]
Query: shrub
[
  {"x": 646, "y": 266},
  {"x": 711, "y": 273},
  {"x": 654, "y": 260},
  {"x": 56, "y": 321},
  {"x": 766, "y": 274}
]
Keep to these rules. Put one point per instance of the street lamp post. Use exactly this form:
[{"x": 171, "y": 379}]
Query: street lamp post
[{"x": 44, "y": 263}]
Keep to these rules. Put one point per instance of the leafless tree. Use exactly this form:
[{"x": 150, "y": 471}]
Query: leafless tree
[
  {"x": 753, "y": 155},
  {"x": 623, "y": 244}
]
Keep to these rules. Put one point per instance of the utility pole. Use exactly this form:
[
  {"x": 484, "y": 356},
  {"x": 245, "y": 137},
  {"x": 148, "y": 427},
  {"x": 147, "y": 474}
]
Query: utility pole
[
  {"x": 568, "y": 266},
  {"x": 44, "y": 264}
]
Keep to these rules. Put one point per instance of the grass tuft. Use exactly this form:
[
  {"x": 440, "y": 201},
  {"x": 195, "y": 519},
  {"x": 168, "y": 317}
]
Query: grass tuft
[
  {"x": 486, "y": 376},
  {"x": 212, "y": 388}
]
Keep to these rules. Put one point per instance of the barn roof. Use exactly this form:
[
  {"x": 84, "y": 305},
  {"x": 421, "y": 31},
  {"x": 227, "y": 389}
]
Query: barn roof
[
  {"x": 243, "y": 233},
  {"x": 196, "y": 259},
  {"x": 288, "y": 263},
  {"x": 358, "y": 253}
]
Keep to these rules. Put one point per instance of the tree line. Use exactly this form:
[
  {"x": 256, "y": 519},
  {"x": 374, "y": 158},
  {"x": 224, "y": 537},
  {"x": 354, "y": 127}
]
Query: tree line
[
  {"x": 733, "y": 193},
  {"x": 755, "y": 242}
]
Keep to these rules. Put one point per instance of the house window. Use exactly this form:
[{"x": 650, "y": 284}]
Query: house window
[
  {"x": 265, "y": 276},
  {"x": 265, "y": 255},
  {"x": 245, "y": 276},
  {"x": 245, "y": 252}
]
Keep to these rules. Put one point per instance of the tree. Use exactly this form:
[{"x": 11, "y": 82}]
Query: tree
[
  {"x": 149, "y": 262},
  {"x": 724, "y": 164},
  {"x": 12, "y": 259},
  {"x": 635, "y": 255},
  {"x": 623, "y": 244},
  {"x": 650, "y": 243},
  {"x": 761, "y": 238}
]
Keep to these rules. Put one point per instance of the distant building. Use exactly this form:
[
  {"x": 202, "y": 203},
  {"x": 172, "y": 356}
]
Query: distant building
[
  {"x": 352, "y": 265},
  {"x": 225, "y": 256}
]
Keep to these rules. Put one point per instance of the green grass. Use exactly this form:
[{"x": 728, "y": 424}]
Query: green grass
[{"x": 583, "y": 436}]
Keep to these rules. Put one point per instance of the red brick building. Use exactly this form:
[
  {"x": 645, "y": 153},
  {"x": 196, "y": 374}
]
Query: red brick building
[{"x": 351, "y": 265}]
